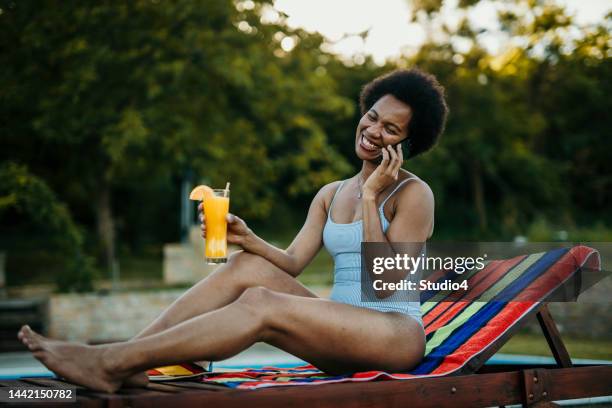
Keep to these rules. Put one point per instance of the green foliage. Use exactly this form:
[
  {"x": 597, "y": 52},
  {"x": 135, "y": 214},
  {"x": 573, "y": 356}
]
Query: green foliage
[
  {"x": 26, "y": 196},
  {"x": 526, "y": 138},
  {"x": 117, "y": 102}
]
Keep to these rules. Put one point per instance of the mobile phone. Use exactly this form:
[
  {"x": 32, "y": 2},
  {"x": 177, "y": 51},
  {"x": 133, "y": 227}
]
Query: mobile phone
[{"x": 405, "y": 152}]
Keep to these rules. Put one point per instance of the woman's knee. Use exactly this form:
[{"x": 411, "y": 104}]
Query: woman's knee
[
  {"x": 249, "y": 270},
  {"x": 259, "y": 302},
  {"x": 256, "y": 297},
  {"x": 242, "y": 259}
]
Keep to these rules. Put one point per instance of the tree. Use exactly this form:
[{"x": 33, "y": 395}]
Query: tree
[{"x": 126, "y": 95}]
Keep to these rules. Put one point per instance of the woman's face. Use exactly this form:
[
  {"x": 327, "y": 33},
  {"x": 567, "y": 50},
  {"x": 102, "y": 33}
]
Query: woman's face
[{"x": 386, "y": 123}]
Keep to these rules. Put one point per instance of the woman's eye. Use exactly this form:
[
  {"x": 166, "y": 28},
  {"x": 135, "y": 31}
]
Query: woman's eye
[
  {"x": 389, "y": 130},
  {"x": 370, "y": 116}
]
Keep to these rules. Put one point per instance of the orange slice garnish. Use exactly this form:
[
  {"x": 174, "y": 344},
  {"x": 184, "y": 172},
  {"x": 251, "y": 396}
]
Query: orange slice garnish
[{"x": 200, "y": 193}]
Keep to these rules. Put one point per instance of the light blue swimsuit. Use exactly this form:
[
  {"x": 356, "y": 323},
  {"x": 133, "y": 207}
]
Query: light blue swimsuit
[{"x": 343, "y": 242}]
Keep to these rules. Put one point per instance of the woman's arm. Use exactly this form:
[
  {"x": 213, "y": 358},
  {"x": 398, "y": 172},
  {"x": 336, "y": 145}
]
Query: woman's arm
[
  {"x": 305, "y": 245},
  {"x": 413, "y": 218}
]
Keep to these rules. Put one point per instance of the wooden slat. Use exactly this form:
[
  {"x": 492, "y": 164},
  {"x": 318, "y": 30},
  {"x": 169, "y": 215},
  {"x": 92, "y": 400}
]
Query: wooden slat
[
  {"x": 569, "y": 383},
  {"x": 553, "y": 338},
  {"x": 500, "y": 368},
  {"x": 494, "y": 389},
  {"x": 139, "y": 391},
  {"x": 497, "y": 368},
  {"x": 472, "y": 390},
  {"x": 197, "y": 385},
  {"x": 88, "y": 402},
  {"x": 50, "y": 382},
  {"x": 167, "y": 387},
  {"x": 107, "y": 400}
]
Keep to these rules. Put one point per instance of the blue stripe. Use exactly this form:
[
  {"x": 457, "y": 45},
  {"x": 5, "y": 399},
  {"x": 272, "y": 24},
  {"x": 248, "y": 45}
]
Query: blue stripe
[{"x": 531, "y": 274}]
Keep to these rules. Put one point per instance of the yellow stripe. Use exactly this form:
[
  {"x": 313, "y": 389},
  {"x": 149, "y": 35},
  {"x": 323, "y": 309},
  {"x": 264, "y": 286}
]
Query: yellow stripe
[{"x": 174, "y": 370}]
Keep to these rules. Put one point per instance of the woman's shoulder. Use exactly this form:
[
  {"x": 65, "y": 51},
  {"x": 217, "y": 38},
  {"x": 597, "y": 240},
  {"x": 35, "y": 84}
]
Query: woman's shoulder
[
  {"x": 327, "y": 192},
  {"x": 414, "y": 191},
  {"x": 329, "y": 189}
]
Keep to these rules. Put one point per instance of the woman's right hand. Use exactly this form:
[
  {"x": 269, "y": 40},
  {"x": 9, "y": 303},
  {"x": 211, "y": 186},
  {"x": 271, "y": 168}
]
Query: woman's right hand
[{"x": 238, "y": 233}]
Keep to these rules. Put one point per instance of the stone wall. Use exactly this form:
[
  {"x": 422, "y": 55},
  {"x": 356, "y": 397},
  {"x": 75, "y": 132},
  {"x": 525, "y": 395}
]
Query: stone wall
[
  {"x": 184, "y": 262},
  {"x": 96, "y": 318}
]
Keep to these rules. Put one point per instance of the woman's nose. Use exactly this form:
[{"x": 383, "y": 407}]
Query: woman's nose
[{"x": 375, "y": 131}]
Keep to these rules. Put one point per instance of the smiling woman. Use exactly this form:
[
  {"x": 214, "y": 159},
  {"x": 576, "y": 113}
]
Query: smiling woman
[
  {"x": 256, "y": 297},
  {"x": 423, "y": 122}
]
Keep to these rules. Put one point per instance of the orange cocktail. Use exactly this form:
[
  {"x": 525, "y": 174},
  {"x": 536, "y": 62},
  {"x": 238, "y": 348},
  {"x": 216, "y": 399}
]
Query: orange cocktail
[{"x": 216, "y": 207}]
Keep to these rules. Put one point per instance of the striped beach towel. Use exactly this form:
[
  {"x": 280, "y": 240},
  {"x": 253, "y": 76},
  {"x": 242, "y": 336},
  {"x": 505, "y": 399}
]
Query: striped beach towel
[
  {"x": 457, "y": 332},
  {"x": 181, "y": 371}
]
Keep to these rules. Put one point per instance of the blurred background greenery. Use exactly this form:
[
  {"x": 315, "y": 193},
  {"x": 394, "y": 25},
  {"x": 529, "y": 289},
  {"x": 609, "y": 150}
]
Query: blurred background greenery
[{"x": 106, "y": 109}]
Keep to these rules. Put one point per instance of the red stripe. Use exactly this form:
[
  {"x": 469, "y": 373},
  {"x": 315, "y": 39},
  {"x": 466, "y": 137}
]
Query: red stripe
[
  {"x": 486, "y": 279},
  {"x": 554, "y": 277},
  {"x": 484, "y": 337}
]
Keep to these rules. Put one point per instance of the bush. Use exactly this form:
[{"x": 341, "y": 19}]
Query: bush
[{"x": 25, "y": 198}]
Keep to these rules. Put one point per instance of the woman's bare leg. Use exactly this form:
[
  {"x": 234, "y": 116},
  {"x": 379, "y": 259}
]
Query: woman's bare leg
[
  {"x": 243, "y": 270},
  {"x": 334, "y": 337}
]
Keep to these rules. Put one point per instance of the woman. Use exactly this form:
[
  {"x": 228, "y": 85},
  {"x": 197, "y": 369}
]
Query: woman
[{"x": 256, "y": 297}]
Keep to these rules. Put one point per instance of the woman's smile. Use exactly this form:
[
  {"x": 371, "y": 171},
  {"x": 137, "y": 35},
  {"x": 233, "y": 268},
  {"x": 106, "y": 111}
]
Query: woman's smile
[{"x": 367, "y": 145}]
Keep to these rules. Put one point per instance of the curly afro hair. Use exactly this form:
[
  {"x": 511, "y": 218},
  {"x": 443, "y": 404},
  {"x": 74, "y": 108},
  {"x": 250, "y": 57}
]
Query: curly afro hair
[{"x": 424, "y": 95}]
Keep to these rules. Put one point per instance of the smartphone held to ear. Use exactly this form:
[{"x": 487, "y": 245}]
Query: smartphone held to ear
[{"x": 405, "y": 152}]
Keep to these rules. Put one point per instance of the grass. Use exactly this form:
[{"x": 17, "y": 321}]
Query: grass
[
  {"x": 138, "y": 268},
  {"x": 531, "y": 344},
  {"x": 320, "y": 272}
]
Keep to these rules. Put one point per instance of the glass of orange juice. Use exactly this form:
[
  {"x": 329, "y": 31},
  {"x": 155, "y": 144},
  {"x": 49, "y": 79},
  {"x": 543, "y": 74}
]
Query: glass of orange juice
[{"x": 216, "y": 207}]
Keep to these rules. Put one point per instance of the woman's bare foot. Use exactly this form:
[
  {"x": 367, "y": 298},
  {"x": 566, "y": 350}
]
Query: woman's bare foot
[
  {"x": 85, "y": 365},
  {"x": 139, "y": 380}
]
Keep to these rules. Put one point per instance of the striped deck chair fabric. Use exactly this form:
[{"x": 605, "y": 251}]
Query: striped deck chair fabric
[{"x": 457, "y": 332}]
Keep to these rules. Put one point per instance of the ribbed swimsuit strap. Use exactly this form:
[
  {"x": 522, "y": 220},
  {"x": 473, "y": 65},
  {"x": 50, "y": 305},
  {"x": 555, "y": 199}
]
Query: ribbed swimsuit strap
[
  {"x": 333, "y": 198},
  {"x": 394, "y": 190}
]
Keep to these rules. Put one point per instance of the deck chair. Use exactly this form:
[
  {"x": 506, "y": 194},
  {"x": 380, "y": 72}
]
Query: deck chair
[{"x": 461, "y": 337}]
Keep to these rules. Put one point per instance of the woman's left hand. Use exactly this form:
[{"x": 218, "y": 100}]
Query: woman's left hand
[{"x": 386, "y": 173}]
